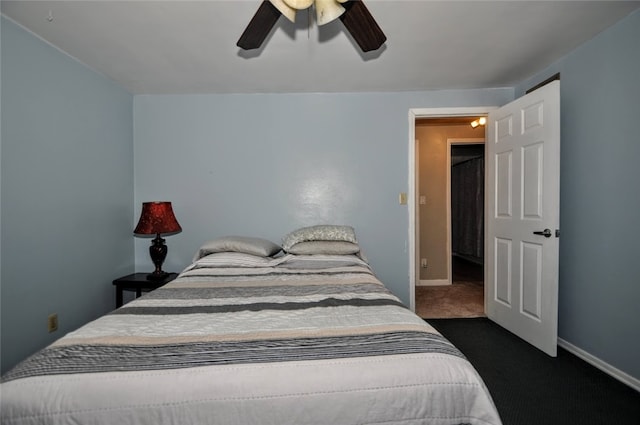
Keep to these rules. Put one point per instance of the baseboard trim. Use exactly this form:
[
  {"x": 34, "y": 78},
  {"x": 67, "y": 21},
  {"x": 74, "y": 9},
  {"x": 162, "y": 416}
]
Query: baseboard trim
[
  {"x": 612, "y": 371},
  {"x": 433, "y": 282}
]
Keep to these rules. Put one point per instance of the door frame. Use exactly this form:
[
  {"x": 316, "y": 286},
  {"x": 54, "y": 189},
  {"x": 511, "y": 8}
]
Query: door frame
[{"x": 416, "y": 113}]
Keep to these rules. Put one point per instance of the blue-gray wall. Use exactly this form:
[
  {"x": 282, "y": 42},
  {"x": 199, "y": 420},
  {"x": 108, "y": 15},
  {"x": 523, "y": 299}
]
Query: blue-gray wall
[
  {"x": 264, "y": 165},
  {"x": 599, "y": 299},
  {"x": 67, "y": 192}
]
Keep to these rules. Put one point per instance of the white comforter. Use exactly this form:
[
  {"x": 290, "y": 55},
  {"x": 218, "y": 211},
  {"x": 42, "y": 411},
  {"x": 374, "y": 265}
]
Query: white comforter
[{"x": 293, "y": 340}]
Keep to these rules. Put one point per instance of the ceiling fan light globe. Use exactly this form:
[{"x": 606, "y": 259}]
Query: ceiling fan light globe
[
  {"x": 328, "y": 11},
  {"x": 286, "y": 10},
  {"x": 299, "y": 4}
]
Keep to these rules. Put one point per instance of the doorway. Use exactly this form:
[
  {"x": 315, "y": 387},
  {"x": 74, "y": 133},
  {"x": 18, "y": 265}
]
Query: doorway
[
  {"x": 450, "y": 214},
  {"x": 466, "y": 216},
  {"x": 444, "y": 115},
  {"x": 467, "y": 231},
  {"x": 522, "y": 199}
]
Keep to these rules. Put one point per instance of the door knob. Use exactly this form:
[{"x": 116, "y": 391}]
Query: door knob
[{"x": 546, "y": 233}]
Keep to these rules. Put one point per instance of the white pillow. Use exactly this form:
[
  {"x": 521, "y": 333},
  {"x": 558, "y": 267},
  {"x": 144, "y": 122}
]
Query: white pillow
[
  {"x": 254, "y": 246},
  {"x": 324, "y": 232}
]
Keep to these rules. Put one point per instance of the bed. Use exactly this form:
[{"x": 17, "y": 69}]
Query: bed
[{"x": 250, "y": 334}]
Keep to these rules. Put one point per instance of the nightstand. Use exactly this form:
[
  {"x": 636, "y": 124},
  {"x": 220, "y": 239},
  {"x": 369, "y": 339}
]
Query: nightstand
[{"x": 138, "y": 282}]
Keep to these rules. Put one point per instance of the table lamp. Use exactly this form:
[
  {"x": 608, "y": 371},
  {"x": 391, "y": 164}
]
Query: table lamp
[{"x": 157, "y": 218}]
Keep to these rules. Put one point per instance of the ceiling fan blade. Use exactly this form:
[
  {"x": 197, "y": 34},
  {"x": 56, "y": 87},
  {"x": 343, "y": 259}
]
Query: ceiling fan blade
[
  {"x": 259, "y": 27},
  {"x": 361, "y": 25}
]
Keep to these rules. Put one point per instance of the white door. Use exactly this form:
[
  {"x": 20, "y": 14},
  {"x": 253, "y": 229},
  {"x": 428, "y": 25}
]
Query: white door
[{"x": 523, "y": 216}]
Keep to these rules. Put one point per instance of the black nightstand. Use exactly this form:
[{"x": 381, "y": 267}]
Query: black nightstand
[{"x": 138, "y": 282}]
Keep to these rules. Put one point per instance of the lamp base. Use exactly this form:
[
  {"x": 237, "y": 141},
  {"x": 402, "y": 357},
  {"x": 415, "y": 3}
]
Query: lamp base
[
  {"x": 155, "y": 276},
  {"x": 158, "y": 252}
]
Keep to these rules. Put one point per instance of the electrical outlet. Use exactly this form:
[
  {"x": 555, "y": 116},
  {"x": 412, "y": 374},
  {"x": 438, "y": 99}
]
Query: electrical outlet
[
  {"x": 52, "y": 322},
  {"x": 423, "y": 263}
]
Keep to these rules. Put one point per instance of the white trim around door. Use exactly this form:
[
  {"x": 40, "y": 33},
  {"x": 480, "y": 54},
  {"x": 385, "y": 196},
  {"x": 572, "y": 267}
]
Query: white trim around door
[{"x": 412, "y": 183}]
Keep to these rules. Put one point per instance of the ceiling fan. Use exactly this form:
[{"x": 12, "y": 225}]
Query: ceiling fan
[{"x": 354, "y": 15}]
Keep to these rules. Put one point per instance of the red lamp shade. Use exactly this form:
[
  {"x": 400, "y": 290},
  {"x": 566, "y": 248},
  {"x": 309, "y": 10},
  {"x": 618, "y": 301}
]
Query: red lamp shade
[{"x": 157, "y": 218}]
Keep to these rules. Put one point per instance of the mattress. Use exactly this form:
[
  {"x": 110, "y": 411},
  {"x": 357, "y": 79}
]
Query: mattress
[{"x": 243, "y": 339}]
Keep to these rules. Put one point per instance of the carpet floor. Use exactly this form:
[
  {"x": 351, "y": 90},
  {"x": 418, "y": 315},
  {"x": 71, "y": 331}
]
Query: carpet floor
[
  {"x": 459, "y": 300},
  {"x": 462, "y": 299},
  {"x": 531, "y": 388}
]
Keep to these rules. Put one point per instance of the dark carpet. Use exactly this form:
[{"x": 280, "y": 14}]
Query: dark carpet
[{"x": 529, "y": 387}]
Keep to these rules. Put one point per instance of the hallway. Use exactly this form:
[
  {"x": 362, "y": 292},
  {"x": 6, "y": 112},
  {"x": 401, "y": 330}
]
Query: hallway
[{"x": 464, "y": 298}]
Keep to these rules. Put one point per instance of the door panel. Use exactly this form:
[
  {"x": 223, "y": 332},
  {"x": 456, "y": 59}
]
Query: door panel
[
  {"x": 503, "y": 186},
  {"x": 502, "y": 281},
  {"x": 532, "y": 190},
  {"x": 531, "y": 280},
  {"x": 523, "y": 150}
]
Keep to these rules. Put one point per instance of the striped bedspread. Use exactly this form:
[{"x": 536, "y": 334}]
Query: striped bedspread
[
  {"x": 295, "y": 308},
  {"x": 236, "y": 310}
]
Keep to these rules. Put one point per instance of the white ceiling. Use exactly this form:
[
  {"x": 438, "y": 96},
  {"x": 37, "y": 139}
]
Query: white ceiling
[{"x": 154, "y": 47}]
